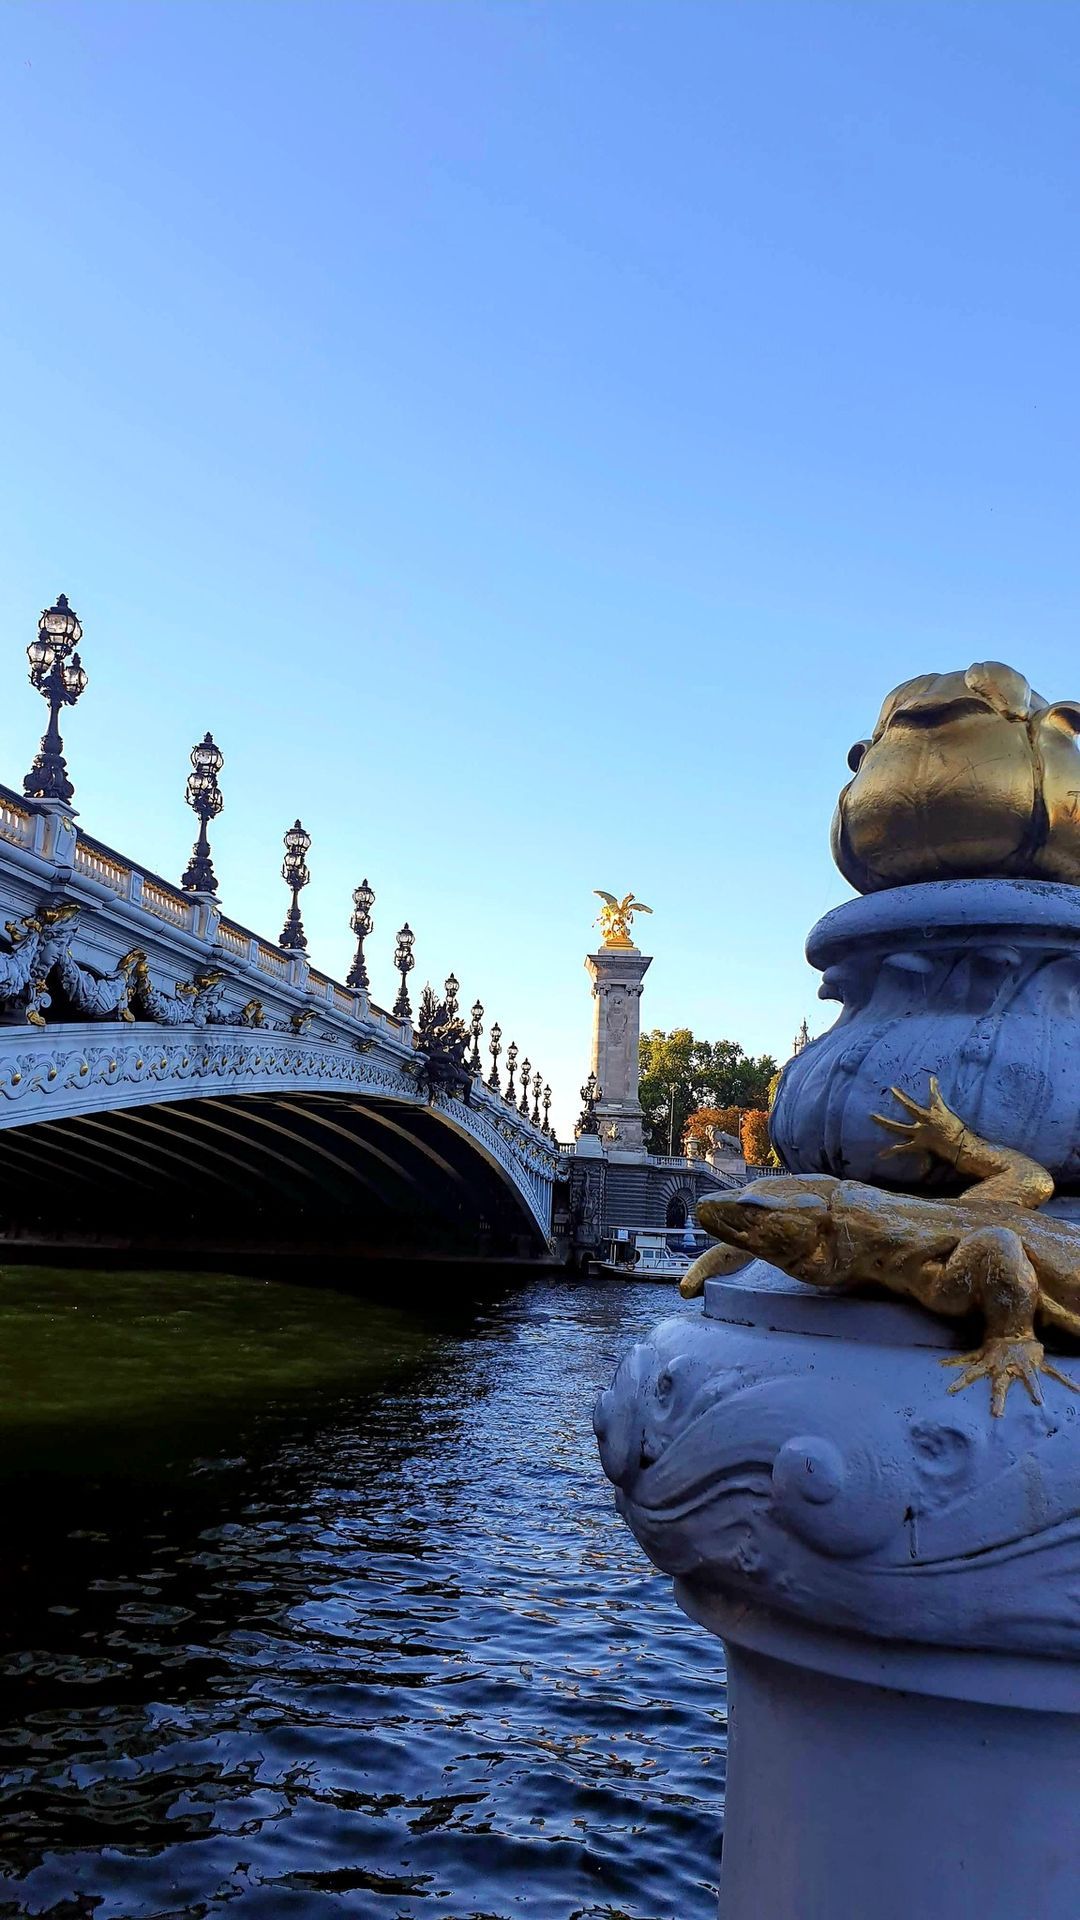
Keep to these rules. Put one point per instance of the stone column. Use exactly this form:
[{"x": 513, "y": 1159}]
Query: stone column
[
  {"x": 894, "y": 1571},
  {"x": 894, "y": 1575},
  {"x": 617, "y": 974}
]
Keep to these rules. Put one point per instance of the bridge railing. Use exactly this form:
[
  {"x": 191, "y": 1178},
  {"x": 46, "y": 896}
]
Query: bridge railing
[
  {"x": 54, "y": 852},
  {"x": 16, "y": 821},
  {"x": 25, "y": 823}
]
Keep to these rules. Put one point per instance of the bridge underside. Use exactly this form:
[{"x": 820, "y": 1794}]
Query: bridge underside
[{"x": 261, "y": 1172}]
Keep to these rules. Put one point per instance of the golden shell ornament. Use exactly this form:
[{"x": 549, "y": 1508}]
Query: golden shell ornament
[{"x": 967, "y": 775}]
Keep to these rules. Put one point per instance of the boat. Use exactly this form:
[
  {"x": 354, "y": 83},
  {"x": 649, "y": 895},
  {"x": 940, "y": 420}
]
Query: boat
[{"x": 651, "y": 1253}]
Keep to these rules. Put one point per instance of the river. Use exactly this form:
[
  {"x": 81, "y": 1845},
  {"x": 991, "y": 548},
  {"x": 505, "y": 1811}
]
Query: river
[{"x": 316, "y": 1605}]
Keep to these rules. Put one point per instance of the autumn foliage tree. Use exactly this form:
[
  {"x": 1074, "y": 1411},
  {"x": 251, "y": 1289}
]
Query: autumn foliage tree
[
  {"x": 757, "y": 1147},
  {"x": 705, "y": 1122}
]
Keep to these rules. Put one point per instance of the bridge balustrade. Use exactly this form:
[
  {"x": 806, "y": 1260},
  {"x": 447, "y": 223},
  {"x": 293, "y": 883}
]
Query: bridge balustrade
[{"x": 248, "y": 1019}]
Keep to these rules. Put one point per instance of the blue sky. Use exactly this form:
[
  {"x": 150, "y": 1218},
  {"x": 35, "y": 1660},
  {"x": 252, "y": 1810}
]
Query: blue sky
[{"x": 533, "y": 438}]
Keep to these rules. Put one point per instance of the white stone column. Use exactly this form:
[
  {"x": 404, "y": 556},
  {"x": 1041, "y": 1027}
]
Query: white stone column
[
  {"x": 894, "y": 1574},
  {"x": 616, "y": 974}
]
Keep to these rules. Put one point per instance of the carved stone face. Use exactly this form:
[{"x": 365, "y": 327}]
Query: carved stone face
[{"x": 967, "y": 775}]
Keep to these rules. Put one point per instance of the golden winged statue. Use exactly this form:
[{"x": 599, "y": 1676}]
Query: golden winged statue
[{"x": 615, "y": 916}]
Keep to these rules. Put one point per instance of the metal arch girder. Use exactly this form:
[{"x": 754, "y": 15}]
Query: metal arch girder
[
  {"x": 419, "y": 1145},
  {"x": 82, "y": 1071},
  {"x": 536, "y": 1192}
]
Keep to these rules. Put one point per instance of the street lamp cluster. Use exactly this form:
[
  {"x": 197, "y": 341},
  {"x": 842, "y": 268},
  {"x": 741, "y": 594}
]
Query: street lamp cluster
[
  {"x": 519, "y": 1099},
  {"x": 205, "y": 798},
  {"x": 57, "y": 672},
  {"x": 294, "y": 872}
]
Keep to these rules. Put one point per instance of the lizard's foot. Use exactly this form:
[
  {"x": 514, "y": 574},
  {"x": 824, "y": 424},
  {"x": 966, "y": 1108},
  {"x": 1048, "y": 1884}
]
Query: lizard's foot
[
  {"x": 933, "y": 1129},
  {"x": 1003, "y": 1360},
  {"x": 715, "y": 1260}
]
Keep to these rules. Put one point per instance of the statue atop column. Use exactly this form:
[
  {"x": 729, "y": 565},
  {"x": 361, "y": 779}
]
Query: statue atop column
[
  {"x": 616, "y": 916},
  {"x": 617, "y": 970}
]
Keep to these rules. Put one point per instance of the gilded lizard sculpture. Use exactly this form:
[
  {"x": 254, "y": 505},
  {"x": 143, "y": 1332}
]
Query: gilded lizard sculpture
[{"x": 989, "y": 1251}]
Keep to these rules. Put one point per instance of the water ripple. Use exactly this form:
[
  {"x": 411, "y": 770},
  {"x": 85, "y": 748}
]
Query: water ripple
[{"x": 358, "y": 1638}]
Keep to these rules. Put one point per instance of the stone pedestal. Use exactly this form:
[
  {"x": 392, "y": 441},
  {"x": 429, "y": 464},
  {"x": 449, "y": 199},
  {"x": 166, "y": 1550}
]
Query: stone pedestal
[
  {"x": 896, "y": 1578},
  {"x": 617, "y": 974}
]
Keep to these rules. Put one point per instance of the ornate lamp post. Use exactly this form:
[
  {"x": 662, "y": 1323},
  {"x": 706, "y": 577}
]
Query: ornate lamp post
[
  {"x": 404, "y": 961},
  {"x": 451, "y": 988},
  {"x": 511, "y": 1068},
  {"x": 476, "y": 1022},
  {"x": 548, "y": 1129},
  {"x": 295, "y": 875},
  {"x": 362, "y": 924},
  {"x": 538, "y": 1081},
  {"x": 523, "y": 1103},
  {"x": 205, "y": 799},
  {"x": 590, "y": 1094},
  {"x": 60, "y": 681},
  {"x": 495, "y": 1048}
]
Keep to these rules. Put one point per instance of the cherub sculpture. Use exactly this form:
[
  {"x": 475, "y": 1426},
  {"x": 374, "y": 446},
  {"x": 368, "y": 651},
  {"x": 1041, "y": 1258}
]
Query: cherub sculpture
[
  {"x": 615, "y": 916},
  {"x": 988, "y": 1252}
]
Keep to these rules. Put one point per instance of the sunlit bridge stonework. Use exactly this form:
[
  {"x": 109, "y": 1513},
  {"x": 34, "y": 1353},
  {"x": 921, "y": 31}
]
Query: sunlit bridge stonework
[{"x": 171, "y": 1079}]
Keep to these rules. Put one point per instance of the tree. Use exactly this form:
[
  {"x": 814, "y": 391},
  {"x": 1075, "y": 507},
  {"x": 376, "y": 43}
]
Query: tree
[
  {"x": 680, "y": 1073},
  {"x": 756, "y": 1145},
  {"x": 705, "y": 1122}
]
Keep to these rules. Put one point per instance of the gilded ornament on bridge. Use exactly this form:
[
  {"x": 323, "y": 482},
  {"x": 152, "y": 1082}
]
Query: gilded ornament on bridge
[
  {"x": 990, "y": 1252},
  {"x": 33, "y": 942},
  {"x": 967, "y": 775},
  {"x": 615, "y": 918}
]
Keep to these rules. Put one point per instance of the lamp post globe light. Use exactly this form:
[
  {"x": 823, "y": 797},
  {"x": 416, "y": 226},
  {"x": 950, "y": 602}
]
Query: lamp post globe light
[
  {"x": 495, "y": 1048},
  {"x": 205, "y": 799},
  {"x": 58, "y": 674},
  {"x": 451, "y": 988},
  {"x": 404, "y": 961},
  {"x": 295, "y": 874},
  {"x": 362, "y": 924}
]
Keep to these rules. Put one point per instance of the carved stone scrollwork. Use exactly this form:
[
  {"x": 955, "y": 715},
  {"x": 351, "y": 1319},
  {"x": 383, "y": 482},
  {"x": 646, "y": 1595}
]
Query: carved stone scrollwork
[
  {"x": 195, "y": 1003},
  {"x": 20, "y": 993},
  {"x": 297, "y": 1023},
  {"x": 975, "y": 981},
  {"x": 88, "y": 995},
  {"x": 855, "y": 1493},
  {"x": 34, "y": 942}
]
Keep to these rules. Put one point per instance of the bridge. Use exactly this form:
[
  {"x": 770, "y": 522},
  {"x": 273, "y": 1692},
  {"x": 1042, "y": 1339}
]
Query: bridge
[{"x": 170, "y": 1079}]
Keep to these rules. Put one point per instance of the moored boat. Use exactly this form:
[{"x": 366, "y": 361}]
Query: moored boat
[{"x": 651, "y": 1253}]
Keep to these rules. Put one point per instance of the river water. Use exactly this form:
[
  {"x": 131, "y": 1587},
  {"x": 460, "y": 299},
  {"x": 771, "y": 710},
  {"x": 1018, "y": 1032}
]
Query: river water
[{"x": 317, "y": 1606}]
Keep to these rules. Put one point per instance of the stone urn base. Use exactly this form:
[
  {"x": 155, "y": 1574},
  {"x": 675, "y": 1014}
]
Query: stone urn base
[{"x": 896, "y": 1579}]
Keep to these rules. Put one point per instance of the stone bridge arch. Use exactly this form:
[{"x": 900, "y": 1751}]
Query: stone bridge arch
[{"x": 239, "y": 1140}]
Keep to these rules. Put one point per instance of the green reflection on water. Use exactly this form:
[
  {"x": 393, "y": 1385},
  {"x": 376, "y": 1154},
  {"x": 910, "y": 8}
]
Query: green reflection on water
[{"x": 87, "y": 1349}]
